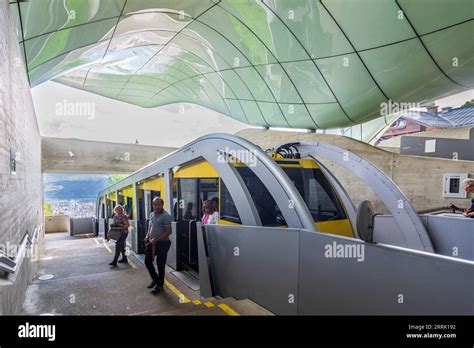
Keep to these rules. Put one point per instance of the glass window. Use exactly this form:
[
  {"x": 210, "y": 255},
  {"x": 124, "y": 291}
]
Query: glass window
[
  {"x": 322, "y": 201},
  {"x": 208, "y": 190},
  {"x": 317, "y": 192},
  {"x": 187, "y": 199},
  {"x": 228, "y": 211},
  {"x": 267, "y": 208}
]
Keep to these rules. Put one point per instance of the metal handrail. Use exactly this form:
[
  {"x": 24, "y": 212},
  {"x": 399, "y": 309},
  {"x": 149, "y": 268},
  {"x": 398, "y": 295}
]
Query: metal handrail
[
  {"x": 11, "y": 266},
  {"x": 189, "y": 242}
]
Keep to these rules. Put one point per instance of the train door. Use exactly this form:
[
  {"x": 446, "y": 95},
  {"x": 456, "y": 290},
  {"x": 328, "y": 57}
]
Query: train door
[
  {"x": 139, "y": 220},
  {"x": 192, "y": 192},
  {"x": 188, "y": 214}
]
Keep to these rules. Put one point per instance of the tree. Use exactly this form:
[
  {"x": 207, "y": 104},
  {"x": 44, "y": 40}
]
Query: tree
[
  {"x": 469, "y": 103},
  {"x": 113, "y": 178},
  {"x": 48, "y": 209}
]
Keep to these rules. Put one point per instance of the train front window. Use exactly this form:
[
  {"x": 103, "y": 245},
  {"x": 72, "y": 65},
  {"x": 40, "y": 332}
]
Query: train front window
[
  {"x": 317, "y": 192},
  {"x": 268, "y": 210}
]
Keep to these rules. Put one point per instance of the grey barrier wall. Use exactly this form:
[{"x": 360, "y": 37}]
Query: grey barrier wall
[
  {"x": 172, "y": 259},
  {"x": 101, "y": 223},
  {"x": 81, "y": 226},
  {"x": 451, "y": 235},
  {"x": 257, "y": 263},
  {"x": 57, "y": 223},
  {"x": 133, "y": 235},
  {"x": 387, "y": 280},
  {"x": 445, "y": 147},
  {"x": 293, "y": 271}
]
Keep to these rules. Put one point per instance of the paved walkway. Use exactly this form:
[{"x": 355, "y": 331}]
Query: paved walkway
[{"x": 84, "y": 284}]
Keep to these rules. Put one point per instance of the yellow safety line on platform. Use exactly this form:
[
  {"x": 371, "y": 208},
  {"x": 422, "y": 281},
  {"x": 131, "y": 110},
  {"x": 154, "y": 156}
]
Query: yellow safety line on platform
[
  {"x": 182, "y": 298},
  {"x": 208, "y": 304},
  {"x": 107, "y": 247},
  {"x": 197, "y": 302},
  {"x": 134, "y": 266},
  {"x": 228, "y": 310}
]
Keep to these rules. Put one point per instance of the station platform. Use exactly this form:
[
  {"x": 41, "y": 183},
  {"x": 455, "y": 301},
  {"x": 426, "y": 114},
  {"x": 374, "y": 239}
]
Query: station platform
[{"x": 84, "y": 284}]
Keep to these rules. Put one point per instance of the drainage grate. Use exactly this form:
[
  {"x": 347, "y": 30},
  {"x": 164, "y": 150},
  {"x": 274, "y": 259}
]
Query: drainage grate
[{"x": 46, "y": 277}]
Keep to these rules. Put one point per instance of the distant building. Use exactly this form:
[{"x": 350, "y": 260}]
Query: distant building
[{"x": 433, "y": 118}]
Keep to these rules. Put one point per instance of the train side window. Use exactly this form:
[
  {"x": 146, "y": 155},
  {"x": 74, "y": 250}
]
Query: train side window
[
  {"x": 228, "y": 211},
  {"x": 187, "y": 199},
  {"x": 209, "y": 190},
  {"x": 268, "y": 210},
  {"x": 323, "y": 202}
]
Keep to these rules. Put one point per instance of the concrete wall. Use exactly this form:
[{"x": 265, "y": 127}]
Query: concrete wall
[
  {"x": 21, "y": 194},
  {"x": 443, "y": 147},
  {"x": 420, "y": 178},
  {"x": 56, "y": 223},
  {"x": 83, "y": 156},
  {"x": 450, "y": 133}
]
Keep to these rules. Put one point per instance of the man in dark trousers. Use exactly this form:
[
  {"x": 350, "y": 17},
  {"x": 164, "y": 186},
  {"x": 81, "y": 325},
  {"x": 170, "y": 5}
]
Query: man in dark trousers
[{"x": 157, "y": 244}]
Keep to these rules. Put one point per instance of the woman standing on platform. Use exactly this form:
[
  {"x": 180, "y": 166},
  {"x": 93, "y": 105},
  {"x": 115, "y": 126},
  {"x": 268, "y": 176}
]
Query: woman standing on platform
[{"x": 120, "y": 222}]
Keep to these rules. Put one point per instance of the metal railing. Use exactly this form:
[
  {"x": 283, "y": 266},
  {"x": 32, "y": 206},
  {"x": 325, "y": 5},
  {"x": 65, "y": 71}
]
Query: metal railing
[{"x": 9, "y": 264}]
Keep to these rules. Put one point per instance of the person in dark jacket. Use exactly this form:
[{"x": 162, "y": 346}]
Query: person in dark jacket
[{"x": 120, "y": 222}]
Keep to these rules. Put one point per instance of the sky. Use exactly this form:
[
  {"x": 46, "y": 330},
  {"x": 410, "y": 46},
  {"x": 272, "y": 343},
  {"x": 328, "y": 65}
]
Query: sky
[{"x": 66, "y": 112}]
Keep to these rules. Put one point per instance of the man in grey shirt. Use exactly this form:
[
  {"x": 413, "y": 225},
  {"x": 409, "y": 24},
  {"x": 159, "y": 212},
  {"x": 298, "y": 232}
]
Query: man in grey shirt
[{"x": 157, "y": 244}]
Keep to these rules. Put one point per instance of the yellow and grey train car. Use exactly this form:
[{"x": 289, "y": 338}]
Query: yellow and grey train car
[
  {"x": 271, "y": 204},
  {"x": 185, "y": 181}
]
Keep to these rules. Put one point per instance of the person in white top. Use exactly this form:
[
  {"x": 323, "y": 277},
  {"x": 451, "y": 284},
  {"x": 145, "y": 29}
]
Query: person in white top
[{"x": 210, "y": 217}]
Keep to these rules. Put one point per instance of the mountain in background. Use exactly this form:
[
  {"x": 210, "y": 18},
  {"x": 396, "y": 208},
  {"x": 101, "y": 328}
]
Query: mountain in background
[{"x": 81, "y": 187}]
